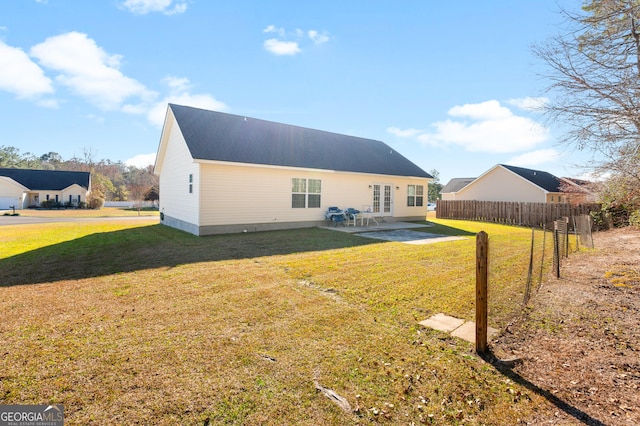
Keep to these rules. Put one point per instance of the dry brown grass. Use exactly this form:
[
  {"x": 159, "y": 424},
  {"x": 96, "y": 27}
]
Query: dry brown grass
[
  {"x": 68, "y": 213},
  {"x": 123, "y": 323}
]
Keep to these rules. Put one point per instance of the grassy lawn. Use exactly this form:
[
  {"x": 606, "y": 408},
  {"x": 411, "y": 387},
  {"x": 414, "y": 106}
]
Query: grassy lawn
[
  {"x": 65, "y": 213},
  {"x": 133, "y": 322}
]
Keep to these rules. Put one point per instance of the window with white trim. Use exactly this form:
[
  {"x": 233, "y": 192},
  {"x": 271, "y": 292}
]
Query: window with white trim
[
  {"x": 415, "y": 195},
  {"x": 190, "y": 184},
  {"x": 306, "y": 193}
]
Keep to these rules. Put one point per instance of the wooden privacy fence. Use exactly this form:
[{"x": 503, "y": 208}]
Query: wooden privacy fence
[{"x": 511, "y": 213}]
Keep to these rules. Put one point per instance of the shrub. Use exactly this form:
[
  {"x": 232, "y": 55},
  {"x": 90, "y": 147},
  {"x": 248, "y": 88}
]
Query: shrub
[
  {"x": 96, "y": 203},
  {"x": 50, "y": 204},
  {"x": 634, "y": 219}
]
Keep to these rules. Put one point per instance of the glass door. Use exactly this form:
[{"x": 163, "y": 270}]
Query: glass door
[{"x": 383, "y": 199}]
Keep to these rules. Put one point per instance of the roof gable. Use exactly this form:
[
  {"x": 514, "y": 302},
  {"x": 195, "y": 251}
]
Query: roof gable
[
  {"x": 456, "y": 184},
  {"x": 51, "y": 180},
  {"x": 217, "y": 136},
  {"x": 544, "y": 180},
  {"x": 8, "y": 181}
]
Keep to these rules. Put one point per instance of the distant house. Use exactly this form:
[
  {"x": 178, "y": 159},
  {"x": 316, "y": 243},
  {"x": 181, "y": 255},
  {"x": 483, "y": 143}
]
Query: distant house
[
  {"x": 577, "y": 191},
  {"x": 518, "y": 184},
  {"x": 22, "y": 188},
  {"x": 222, "y": 173},
  {"x": 449, "y": 191}
]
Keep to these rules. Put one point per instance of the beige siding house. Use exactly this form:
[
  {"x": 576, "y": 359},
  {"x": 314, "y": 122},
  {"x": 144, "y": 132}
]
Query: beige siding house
[
  {"x": 451, "y": 189},
  {"x": 509, "y": 183},
  {"x": 22, "y": 188},
  {"x": 224, "y": 173}
]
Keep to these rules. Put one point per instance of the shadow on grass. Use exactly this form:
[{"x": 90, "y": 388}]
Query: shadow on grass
[
  {"x": 436, "y": 228},
  {"x": 158, "y": 246},
  {"x": 569, "y": 409}
]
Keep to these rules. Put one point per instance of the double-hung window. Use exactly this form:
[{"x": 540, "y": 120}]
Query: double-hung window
[
  {"x": 305, "y": 193},
  {"x": 415, "y": 195}
]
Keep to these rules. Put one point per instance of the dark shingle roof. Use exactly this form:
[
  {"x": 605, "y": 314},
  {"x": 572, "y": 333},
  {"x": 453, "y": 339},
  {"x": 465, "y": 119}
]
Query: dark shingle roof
[
  {"x": 544, "y": 180},
  {"x": 52, "y": 180},
  {"x": 212, "y": 135},
  {"x": 456, "y": 184}
]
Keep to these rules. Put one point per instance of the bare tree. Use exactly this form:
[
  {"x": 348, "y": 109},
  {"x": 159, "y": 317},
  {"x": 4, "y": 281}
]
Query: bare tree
[{"x": 594, "y": 74}]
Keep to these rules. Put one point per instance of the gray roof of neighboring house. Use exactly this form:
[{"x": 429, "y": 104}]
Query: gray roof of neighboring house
[
  {"x": 544, "y": 180},
  {"x": 456, "y": 184},
  {"x": 212, "y": 135},
  {"x": 48, "y": 180}
]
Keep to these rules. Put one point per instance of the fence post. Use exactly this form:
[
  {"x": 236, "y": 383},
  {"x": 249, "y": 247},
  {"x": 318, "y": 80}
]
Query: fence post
[
  {"x": 482, "y": 257},
  {"x": 556, "y": 249},
  {"x": 566, "y": 237},
  {"x": 527, "y": 291}
]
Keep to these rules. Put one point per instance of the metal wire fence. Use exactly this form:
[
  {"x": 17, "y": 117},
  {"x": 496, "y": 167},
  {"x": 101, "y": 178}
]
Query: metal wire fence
[{"x": 538, "y": 253}]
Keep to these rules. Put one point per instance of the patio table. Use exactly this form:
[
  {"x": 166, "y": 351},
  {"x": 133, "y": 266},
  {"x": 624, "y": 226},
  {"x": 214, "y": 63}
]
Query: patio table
[{"x": 367, "y": 215}]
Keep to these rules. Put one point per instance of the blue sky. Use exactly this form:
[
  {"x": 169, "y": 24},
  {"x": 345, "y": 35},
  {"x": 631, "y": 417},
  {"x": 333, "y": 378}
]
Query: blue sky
[{"x": 450, "y": 85}]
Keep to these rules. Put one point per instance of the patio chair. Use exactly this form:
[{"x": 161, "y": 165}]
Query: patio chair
[
  {"x": 351, "y": 214},
  {"x": 335, "y": 215}
]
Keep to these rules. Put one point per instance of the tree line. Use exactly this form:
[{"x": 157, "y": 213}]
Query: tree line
[{"x": 110, "y": 181}]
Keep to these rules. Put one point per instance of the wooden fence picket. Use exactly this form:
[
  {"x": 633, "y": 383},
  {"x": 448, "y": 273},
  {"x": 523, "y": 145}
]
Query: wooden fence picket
[{"x": 512, "y": 213}]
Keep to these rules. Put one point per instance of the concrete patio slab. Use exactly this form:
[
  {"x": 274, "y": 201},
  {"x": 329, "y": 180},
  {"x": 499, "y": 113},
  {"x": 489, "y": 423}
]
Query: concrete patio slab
[
  {"x": 382, "y": 226},
  {"x": 408, "y": 236},
  {"x": 395, "y": 231}
]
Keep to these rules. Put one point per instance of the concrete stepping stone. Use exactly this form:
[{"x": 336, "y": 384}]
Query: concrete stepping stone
[
  {"x": 442, "y": 322},
  {"x": 457, "y": 327}
]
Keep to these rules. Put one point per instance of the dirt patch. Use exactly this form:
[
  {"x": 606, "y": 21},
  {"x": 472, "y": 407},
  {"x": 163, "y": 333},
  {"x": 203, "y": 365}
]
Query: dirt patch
[{"x": 579, "y": 338}]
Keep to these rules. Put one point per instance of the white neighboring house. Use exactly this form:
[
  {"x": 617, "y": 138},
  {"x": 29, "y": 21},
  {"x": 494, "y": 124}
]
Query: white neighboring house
[
  {"x": 515, "y": 184},
  {"x": 22, "y": 188},
  {"x": 224, "y": 173}
]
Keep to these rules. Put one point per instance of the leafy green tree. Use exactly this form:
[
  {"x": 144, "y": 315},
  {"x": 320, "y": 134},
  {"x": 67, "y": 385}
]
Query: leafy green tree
[
  {"x": 435, "y": 186},
  {"x": 10, "y": 157},
  {"x": 101, "y": 184},
  {"x": 50, "y": 160},
  {"x": 594, "y": 74}
]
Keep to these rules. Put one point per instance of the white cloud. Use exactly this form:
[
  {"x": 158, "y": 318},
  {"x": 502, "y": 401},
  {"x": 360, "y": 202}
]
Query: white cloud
[
  {"x": 20, "y": 75},
  {"x": 489, "y": 110},
  {"x": 177, "y": 84},
  {"x": 483, "y": 127},
  {"x": 142, "y": 7},
  {"x": 282, "y": 46},
  {"x": 529, "y": 103},
  {"x": 535, "y": 158},
  {"x": 141, "y": 160},
  {"x": 318, "y": 38},
  {"x": 179, "y": 94},
  {"x": 274, "y": 29},
  {"x": 88, "y": 70},
  {"x": 407, "y": 133},
  {"x": 278, "y": 47}
]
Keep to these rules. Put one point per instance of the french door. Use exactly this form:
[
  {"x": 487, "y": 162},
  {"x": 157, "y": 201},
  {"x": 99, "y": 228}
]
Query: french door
[{"x": 383, "y": 199}]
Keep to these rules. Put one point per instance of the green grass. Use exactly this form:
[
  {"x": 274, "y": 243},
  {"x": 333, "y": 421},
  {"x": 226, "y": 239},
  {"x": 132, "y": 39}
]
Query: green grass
[{"x": 137, "y": 322}]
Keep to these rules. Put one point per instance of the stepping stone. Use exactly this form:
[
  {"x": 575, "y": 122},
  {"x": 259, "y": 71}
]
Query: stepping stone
[
  {"x": 467, "y": 332},
  {"x": 442, "y": 322},
  {"x": 457, "y": 327}
]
